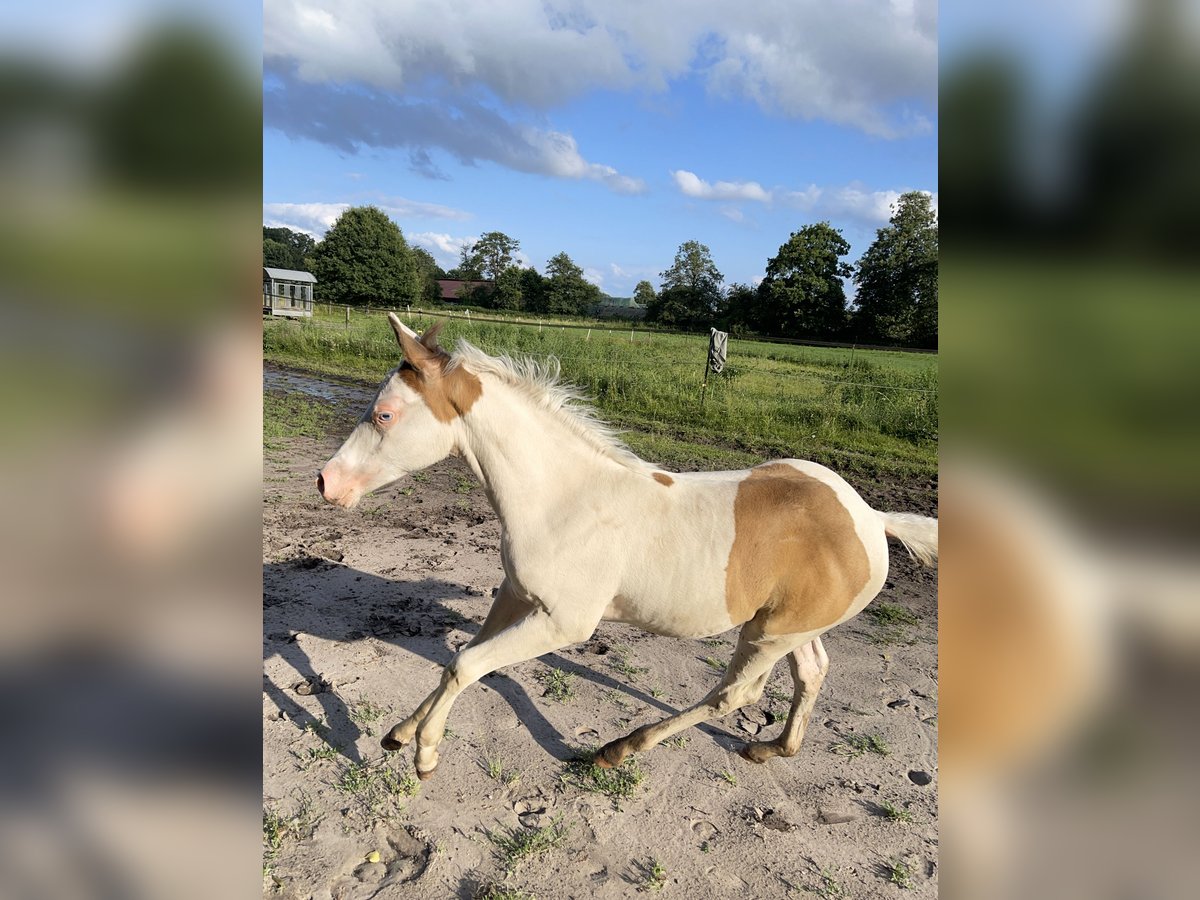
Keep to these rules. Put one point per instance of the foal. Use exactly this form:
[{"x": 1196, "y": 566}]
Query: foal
[{"x": 591, "y": 532}]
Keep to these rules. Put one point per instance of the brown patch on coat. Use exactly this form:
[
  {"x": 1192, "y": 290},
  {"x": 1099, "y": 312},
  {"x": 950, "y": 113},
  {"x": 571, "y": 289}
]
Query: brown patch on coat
[
  {"x": 663, "y": 478},
  {"x": 796, "y": 562},
  {"x": 447, "y": 393}
]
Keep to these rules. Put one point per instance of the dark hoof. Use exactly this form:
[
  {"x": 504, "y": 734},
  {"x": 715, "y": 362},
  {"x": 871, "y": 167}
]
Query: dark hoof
[
  {"x": 755, "y": 753},
  {"x": 609, "y": 757},
  {"x": 390, "y": 743},
  {"x": 425, "y": 776}
]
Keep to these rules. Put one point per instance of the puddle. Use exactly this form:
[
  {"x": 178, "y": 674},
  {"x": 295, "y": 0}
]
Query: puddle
[{"x": 287, "y": 381}]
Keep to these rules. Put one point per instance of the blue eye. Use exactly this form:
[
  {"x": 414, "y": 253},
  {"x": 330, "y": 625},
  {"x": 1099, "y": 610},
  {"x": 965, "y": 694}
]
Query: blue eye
[{"x": 383, "y": 416}]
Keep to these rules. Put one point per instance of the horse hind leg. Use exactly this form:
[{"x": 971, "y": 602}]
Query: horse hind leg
[
  {"x": 809, "y": 664},
  {"x": 743, "y": 682}
]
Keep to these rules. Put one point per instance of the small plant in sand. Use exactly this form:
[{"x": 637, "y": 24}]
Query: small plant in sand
[
  {"x": 366, "y": 713},
  {"x": 656, "y": 876},
  {"x": 856, "y": 745},
  {"x": 894, "y": 812},
  {"x": 618, "y": 660},
  {"x": 494, "y": 766},
  {"x": 728, "y": 777},
  {"x": 377, "y": 786},
  {"x": 898, "y": 873},
  {"x": 829, "y": 888},
  {"x": 280, "y": 829},
  {"x": 715, "y": 664},
  {"x": 614, "y": 697},
  {"x": 313, "y": 755},
  {"x": 492, "y": 890},
  {"x": 463, "y": 485},
  {"x": 616, "y": 783},
  {"x": 516, "y": 845},
  {"x": 559, "y": 685},
  {"x": 678, "y": 741},
  {"x": 893, "y": 621}
]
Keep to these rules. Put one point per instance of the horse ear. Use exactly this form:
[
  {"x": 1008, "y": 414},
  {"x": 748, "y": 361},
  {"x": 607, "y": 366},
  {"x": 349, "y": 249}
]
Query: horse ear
[
  {"x": 430, "y": 337},
  {"x": 415, "y": 351}
]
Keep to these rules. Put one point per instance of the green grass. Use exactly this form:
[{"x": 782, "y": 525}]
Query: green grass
[
  {"x": 618, "y": 660},
  {"x": 715, "y": 664},
  {"x": 893, "y": 623},
  {"x": 366, "y": 714},
  {"x": 280, "y": 830},
  {"x": 296, "y": 415},
  {"x": 898, "y": 873},
  {"x": 559, "y": 685},
  {"x": 885, "y": 613},
  {"x": 617, "y": 783},
  {"x": 377, "y": 787},
  {"x": 728, "y": 777},
  {"x": 895, "y": 813},
  {"x": 518, "y": 845},
  {"x": 856, "y": 745},
  {"x": 494, "y": 891},
  {"x": 856, "y": 410},
  {"x": 654, "y": 875}
]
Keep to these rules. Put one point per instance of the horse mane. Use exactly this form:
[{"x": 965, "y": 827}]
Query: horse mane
[{"x": 539, "y": 382}]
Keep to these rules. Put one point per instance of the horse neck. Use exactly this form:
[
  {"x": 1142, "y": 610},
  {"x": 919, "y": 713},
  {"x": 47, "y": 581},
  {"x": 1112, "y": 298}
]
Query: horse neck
[{"x": 528, "y": 459}]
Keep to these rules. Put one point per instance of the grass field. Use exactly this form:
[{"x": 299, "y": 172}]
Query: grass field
[{"x": 871, "y": 412}]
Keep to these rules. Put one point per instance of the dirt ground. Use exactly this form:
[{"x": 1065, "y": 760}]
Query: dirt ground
[{"x": 361, "y": 609}]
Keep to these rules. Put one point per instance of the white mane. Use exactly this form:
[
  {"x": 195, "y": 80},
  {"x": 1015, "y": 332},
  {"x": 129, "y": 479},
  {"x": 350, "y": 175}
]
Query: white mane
[{"x": 539, "y": 382}]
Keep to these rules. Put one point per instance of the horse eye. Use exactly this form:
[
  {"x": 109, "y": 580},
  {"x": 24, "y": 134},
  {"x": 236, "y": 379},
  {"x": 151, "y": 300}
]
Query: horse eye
[{"x": 383, "y": 416}]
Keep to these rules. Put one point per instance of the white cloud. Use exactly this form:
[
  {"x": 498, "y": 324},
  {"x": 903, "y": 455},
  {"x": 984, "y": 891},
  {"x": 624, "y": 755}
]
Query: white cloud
[
  {"x": 317, "y": 218},
  {"x": 854, "y": 202},
  {"x": 446, "y": 249},
  {"x": 311, "y": 218},
  {"x": 871, "y": 65},
  {"x": 693, "y": 185},
  {"x": 595, "y": 276}
]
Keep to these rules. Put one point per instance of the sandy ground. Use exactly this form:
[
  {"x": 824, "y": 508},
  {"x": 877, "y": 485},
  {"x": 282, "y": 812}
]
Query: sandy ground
[{"x": 362, "y": 608}]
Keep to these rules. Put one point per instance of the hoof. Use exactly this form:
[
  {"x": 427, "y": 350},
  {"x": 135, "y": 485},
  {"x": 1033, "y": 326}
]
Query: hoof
[
  {"x": 608, "y": 757},
  {"x": 390, "y": 743},
  {"x": 425, "y": 776},
  {"x": 758, "y": 752}
]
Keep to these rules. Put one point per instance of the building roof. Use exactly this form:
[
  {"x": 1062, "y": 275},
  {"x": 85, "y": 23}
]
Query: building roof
[
  {"x": 288, "y": 275},
  {"x": 452, "y": 288}
]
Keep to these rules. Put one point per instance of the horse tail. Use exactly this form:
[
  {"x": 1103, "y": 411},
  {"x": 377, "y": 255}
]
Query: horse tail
[{"x": 918, "y": 534}]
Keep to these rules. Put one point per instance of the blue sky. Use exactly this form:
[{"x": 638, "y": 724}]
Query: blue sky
[{"x": 614, "y": 131}]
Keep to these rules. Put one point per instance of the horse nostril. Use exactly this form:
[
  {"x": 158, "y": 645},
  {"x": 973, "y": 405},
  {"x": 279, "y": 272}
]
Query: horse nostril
[{"x": 321, "y": 484}]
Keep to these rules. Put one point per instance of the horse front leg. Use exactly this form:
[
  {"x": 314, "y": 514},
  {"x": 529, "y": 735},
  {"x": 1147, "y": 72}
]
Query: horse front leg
[
  {"x": 527, "y": 638},
  {"x": 507, "y": 608}
]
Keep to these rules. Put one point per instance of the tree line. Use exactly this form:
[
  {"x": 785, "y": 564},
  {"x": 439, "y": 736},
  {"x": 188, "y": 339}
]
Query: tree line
[{"x": 365, "y": 259}]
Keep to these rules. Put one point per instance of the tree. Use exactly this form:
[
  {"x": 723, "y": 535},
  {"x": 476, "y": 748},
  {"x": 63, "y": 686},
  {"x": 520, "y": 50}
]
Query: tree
[
  {"x": 428, "y": 272},
  {"x": 533, "y": 290},
  {"x": 897, "y": 278},
  {"x": 643, "y": 294},
  {"x": 691, "y": 289},
  {"x": 493, "y": 253},
  {"x": 507, "y": 292},
  {"x": 364, "y": 259},
  {"x": 567, "y": 291},
  {"x": 287, "y": 249},
  {"x": 803, "y": 294},
  {"x": 740, "y": 310}
]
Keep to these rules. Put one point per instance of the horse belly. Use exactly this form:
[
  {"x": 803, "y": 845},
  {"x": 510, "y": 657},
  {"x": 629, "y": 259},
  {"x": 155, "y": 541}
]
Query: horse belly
[{"x": 694, "y": 615}]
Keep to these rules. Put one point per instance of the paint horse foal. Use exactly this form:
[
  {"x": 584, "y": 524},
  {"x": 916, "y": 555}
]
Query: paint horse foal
[{"x": 591, "y": 532}]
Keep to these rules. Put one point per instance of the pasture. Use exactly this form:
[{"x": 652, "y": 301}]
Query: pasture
[{"x": 859, "y": 411}]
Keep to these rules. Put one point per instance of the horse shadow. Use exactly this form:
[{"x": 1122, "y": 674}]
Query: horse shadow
[{"x": 336, "y": 602}]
